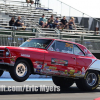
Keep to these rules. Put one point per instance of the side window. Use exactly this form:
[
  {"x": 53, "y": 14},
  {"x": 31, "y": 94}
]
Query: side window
[
  {"x": 52, "y": 48},
  {"x": 64, "y": 47},
  {"x": 77, "y": 51}
]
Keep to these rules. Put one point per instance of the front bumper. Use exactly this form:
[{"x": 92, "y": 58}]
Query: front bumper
[{"x": 6, "y": 61}]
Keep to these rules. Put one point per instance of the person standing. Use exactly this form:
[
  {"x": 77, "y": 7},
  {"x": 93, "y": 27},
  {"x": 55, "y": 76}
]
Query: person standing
[
  {"x": 37, "y": 3},
  {"x": 29, "y": 1}
]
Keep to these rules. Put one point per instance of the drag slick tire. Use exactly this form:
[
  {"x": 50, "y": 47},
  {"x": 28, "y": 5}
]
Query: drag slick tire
[
  {"x": 21, "y": 71},
  {"x": 62, "y": 82},
  {"x": 90, "y": 81},
  {"x": 1, "y": 72}
]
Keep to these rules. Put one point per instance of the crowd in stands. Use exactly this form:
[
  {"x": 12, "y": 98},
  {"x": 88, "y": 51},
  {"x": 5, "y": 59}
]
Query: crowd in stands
[
  {"x": 50, "y": 23},
  {"x": 55, "y": 23}
]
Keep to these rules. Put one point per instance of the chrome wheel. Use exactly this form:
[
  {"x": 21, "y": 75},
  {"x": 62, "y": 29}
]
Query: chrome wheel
[
  {"x": 21, "y": 69},
  {"x": 91, "y": 79}
]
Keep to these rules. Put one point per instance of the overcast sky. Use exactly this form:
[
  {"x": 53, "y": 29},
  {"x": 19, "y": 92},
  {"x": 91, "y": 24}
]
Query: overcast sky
[{"x": 90, "y": 7}]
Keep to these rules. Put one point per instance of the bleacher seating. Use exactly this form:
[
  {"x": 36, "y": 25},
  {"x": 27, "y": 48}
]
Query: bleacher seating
[{"x": 30, "y": 14}]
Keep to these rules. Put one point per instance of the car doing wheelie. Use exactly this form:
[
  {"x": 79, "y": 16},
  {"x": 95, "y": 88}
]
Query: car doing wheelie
[{"x": 67, "y": 62}]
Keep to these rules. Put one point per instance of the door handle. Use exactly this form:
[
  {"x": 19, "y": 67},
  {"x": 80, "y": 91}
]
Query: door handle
[{"x": 74, "y": 58}]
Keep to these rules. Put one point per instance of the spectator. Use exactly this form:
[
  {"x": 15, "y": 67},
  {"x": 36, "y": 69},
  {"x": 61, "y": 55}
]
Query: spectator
[
  {"x": 50, "y": 22},
  {"x": 95, "y": 31},
  {"x": 30, "y": 1},
  {"x": 43, "y": 21},
  {"x": 56, "y": 23},
  {"x": 12, "y": 22},
  {"x": 18, "y": 22},
  {"x": 64, "y": 23},
  {"x": 71, "y": 23},
  {"x": 37, "y": 3},
  {"x": 27, "y": 1}
]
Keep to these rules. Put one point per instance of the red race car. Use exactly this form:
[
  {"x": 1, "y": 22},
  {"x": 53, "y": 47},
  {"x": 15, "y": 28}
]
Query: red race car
[{"x": 67, "y": 62}]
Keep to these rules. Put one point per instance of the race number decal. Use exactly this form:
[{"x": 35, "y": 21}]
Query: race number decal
[{"x": 69, "y": 45}]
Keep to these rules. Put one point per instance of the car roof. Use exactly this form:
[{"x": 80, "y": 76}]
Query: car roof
[{"x": 58, "y": 40}]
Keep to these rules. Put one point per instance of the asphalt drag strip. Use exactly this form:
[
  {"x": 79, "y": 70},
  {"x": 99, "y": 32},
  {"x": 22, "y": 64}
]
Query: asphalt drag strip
[{"x": 45, "y": 90}]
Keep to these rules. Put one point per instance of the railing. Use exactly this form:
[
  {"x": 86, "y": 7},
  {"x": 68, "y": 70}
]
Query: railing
[
  {"x": 10, "y": 37},
  {"x": 64, "y": 9},
  {"x": 13, "y": 37}
]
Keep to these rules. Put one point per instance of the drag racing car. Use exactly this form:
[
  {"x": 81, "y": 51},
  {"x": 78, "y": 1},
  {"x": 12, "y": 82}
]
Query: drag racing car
[{"x": 67, "y": 62}]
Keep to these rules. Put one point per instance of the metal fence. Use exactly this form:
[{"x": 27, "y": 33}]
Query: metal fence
[
  {"x": 17, "y": 37},
  {"x": 13, "y": 37}
]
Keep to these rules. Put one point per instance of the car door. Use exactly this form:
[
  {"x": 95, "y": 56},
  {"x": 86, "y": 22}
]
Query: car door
[
  {"x": 82, "y": 61},
  {"x": 59, "y": 59}
]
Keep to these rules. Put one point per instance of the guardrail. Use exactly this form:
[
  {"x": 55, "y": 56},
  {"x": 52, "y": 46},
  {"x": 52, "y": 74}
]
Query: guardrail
[{"x": 14, "y": 37}]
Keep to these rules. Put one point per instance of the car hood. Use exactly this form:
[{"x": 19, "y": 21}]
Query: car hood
[{"x": 19, "y": 48}]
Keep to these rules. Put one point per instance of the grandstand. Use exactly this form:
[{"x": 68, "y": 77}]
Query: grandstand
[{"x": 30, "y": 16}]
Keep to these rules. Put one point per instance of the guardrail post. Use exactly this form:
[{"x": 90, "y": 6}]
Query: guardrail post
[
  {"x": 35, "y": 30},
  {"x": 13, "y": 38},
  {"x": 83, "y": 21},
  {"x": 82, "y": 38},
  {"x": 58, "y": 32}
]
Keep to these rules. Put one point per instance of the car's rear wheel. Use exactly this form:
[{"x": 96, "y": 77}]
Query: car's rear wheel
[
  {"x": 90, "y": 81},
  {"x": 21, "y": 71},
  {"x": 1, "y": 72},
  {"x": 62, "y": 82}
]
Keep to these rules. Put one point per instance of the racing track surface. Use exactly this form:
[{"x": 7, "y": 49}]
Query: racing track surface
[{"x": 72, "y": 93}]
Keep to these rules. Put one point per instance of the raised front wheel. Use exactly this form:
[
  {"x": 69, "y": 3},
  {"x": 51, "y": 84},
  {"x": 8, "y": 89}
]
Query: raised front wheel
[{"x": 21, "y": 71}]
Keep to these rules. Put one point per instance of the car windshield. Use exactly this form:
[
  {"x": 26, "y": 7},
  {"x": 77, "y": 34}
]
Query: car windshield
[{"x": 36, "y": 43}]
